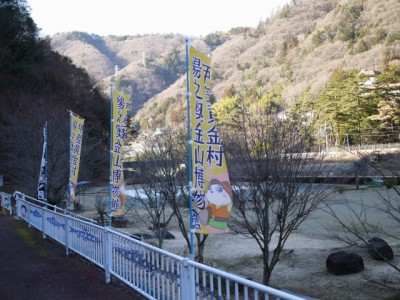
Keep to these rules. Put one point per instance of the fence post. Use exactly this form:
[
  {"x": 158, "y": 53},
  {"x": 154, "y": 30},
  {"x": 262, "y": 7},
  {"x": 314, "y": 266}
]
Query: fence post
[
  {"x": 17, "y": 207},
  {"x": 107, "y": 253},
  {"x": 28, "y": 213},
  {"x": 43, "y": 222},
  {"x": 66, "y": 234},
  {"x": 187, "y": 280},
  {"x": 11, "y": 208}
]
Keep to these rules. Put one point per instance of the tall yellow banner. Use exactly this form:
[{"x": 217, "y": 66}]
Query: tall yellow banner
[
  {"x": 76, "y": 134},
  {"x": 119, "y": 135},
  {"x": 212, "y": 196}
]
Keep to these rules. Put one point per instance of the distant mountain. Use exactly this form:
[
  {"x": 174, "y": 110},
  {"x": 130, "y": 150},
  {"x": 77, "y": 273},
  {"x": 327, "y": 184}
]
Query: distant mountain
[
  {"x": 146, "y": 64},
  {"x": 294, "y": 52}
]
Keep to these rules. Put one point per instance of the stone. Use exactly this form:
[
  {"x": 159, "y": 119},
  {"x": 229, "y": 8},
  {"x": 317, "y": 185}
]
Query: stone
[
  {"x": 119, "y": 222},
  {"x": 342, "y": 263},
  {"x": 379, "y": 249},
  {"x": 167, "y": 235}
]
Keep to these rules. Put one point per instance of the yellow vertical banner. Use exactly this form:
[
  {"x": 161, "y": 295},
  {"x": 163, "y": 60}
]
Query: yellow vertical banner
[
  {"x": 119, "y": 135},
  {"x": 212, "y": 197},
  {"x": 76, "y": 134}
]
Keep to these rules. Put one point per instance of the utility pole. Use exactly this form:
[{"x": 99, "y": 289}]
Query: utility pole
[
  {"x": 326, "y": 138},
  {"x": 116, "y": 69}
]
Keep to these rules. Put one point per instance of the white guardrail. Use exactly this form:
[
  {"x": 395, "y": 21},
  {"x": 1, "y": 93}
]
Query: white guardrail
[{"x": 152, "y": 272}]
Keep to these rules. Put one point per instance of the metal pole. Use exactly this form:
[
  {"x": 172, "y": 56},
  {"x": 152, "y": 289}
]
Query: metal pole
[
  {"x": 45, "y": 164},
  {"x": 66, "y": 234},
  {"x": 70, "y": 163},
  {"x": 107, "y": 254},
  {"x": 190, "y": 179},
  {"x": 111, "y": 157},
  {"x": 188, "y": 288}
]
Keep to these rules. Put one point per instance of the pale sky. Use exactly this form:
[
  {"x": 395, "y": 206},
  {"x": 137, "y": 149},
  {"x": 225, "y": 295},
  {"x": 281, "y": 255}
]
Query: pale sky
[{"x": 130, "y": 17}]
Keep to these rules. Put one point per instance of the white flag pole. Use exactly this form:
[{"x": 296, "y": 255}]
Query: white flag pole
[{"x": 190, "y": 179}]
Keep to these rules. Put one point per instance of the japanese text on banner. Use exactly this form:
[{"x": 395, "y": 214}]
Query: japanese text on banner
[
  {"x": 75, "y": 154},
  {"x": 119, "y": 135},
  {"x": 212, "y": 199}
]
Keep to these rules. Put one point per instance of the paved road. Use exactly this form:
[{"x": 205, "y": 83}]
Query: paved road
[{"x": 35, "y": 268}]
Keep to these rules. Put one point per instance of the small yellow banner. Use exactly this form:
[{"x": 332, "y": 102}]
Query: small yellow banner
[
  {"x": 75, "y": 154},
  {"x": 119, "y": 135},
  {"x": 212, "y": 199}
]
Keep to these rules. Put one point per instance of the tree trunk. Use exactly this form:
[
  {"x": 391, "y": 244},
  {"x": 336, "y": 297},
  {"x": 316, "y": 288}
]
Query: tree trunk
[
  {"x": 102, "y": 218},
  {"x": 200, "y": 254},
  {"x": 181, "y": 224},
  {"x": 161, "y": 235},
  {"x": 201, "y": 242},
  {"x": 266, "y": 269}
]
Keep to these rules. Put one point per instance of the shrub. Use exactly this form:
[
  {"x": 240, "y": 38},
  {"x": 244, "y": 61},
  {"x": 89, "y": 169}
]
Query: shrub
[
  {"x": 318, "y": 38},
  {"x": 392, "y": 37},
  {"x": 362, "y": 46},
  {"x": 340, "y": 189}
]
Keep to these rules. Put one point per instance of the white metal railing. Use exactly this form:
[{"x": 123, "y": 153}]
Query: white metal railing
[{"x": 152, "y": 272}]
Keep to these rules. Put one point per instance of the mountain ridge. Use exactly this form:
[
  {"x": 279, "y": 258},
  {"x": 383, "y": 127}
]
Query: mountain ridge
[{"x": 295, "y": 51}]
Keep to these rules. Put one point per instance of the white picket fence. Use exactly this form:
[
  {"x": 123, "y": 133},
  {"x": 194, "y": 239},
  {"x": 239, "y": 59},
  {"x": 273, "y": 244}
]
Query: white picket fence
[{"x": 152, "y": 272}]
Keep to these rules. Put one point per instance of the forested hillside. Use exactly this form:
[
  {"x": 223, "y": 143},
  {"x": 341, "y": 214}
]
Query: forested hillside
[
  {"x": 38, "y": 85},
  {"x": 291, "y": 57},
  {"x": 146, "y": 65}
]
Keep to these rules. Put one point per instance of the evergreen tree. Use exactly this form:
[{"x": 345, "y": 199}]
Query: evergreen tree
[
  {"x": 386, "y": 93},
  {"x": 18, "y": 33},
  {"x": 343, "y": 108}
]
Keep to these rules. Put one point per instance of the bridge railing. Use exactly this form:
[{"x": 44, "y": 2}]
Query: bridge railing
[{"x": 152, "y": 272}]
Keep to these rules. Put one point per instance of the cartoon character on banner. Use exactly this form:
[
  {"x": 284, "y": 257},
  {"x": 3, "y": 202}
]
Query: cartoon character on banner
[
  {"x": 122, "y": 197},
  {"x": 119, "y": 201},
  {"x": 215, "y": 205},
  {"x": 24, "y": 212},
  {"x": 72, "y": 189}
]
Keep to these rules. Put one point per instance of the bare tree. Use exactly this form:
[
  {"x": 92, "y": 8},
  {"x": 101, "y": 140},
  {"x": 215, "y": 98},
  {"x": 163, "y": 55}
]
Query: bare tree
[
  {"x": 148, "y": 199},
  {"x": 360, "y": 167},
  {"x": 22, "y": 142},
  {"x": 102, "y": 208},
  {"x": 159, "y": 170},
  {"x": 273, "y": 180},
  {"x": 163, "y": 192}
]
